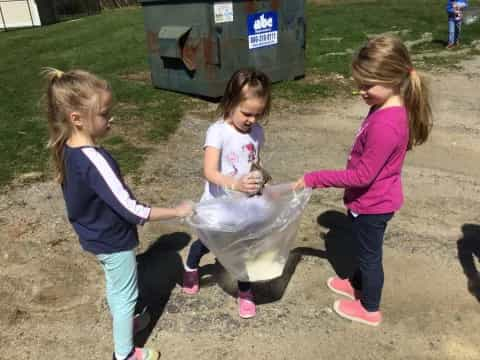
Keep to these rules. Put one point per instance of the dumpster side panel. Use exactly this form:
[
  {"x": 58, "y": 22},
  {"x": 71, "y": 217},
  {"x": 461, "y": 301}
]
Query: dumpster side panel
[{"x": 193, "y": 48}]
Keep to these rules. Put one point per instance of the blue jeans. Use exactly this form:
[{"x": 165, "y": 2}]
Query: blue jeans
[
  {"x": 368, "y": 232},
  {"x": 197, "y": 250},
  {"x": 454, "y": 28},
  {"x": 122, "y": 292}
]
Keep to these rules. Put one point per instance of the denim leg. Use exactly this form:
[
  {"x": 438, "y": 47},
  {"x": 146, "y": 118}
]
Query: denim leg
[
  {"x": 122, "y": 292},
  {"x": 458, "y": 28},
  {"x": 369, "y": 231},
  {"x": 356, "y": 277},
  {"x": 451, "y": 30},
  {"x": 197, "y": 250}
]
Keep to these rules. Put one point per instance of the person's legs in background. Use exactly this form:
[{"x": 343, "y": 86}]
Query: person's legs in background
[{"x": 451, "y": 32}]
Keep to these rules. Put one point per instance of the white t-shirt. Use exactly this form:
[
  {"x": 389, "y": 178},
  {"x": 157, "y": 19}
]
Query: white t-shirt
[{"x": 237, "y": 152}]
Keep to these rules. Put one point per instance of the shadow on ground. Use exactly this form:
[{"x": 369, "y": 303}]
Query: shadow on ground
[
  {"x": 468, "y": 247},
  {"x": 160, "y": 269}
]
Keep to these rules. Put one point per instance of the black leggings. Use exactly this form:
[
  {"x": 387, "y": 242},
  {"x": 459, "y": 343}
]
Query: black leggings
[{"x": 368, "y": 232}]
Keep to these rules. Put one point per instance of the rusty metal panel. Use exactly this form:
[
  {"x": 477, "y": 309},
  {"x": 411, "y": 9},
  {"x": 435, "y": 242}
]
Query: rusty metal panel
[
  {"x": 169, "y": 38},
  {"x": 207, "y": 41}
]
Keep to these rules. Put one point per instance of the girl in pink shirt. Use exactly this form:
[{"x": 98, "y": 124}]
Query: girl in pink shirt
[{"x": 399, "y": 118}]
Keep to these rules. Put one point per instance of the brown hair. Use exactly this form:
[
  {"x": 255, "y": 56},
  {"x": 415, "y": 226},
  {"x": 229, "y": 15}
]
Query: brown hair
[
  {"x": 244, "y": 84},
  {"x": 75, "y": 90},
  {"x": 385, "y": 60}
]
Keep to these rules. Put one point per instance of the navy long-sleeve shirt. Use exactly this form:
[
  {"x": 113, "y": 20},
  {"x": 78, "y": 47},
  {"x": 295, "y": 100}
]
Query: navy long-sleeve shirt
[{"x": 100, "y": 206}]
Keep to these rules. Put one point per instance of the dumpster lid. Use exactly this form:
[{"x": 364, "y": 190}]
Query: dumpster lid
[{"x": 173, "y": 32}]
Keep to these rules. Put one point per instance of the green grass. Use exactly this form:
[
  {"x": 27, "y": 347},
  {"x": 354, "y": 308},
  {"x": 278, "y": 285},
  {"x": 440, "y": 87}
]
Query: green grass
[
  {"x": 113, "y": 45},
  {"x": 301, "y": 91},
  {"x": 125, "y": 152},
  {"x": 336, "y": 30}
]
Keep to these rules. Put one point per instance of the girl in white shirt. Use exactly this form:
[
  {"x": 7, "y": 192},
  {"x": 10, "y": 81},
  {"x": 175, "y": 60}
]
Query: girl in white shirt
[{"x": 232, "y": 145}]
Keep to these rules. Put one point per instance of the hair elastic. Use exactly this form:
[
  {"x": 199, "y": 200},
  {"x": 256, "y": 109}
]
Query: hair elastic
[{"x": 58, "y": 73}]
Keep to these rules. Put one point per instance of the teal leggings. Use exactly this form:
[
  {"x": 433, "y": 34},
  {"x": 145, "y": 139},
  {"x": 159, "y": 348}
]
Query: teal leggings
[{"x": 122, "y": 292}]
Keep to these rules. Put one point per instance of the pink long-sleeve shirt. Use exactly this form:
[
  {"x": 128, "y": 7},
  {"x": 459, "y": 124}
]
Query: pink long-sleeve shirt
[{"x": 372, "y": 178}]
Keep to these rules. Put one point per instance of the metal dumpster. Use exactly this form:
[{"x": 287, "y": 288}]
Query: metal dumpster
[{"x": 194, "y": 46}]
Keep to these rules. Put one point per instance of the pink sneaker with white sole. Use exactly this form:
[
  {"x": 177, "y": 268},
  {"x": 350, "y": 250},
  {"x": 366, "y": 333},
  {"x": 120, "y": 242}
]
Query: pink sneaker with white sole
[
  {"x": 145, "y": 354},
  {"x": 354, "y": 310},
  {"x": 142, "y": 354},
  {"x": 246, "y": 306},
  {"x": 191, "y": 282},
  {"x": 343, "y": 287}
]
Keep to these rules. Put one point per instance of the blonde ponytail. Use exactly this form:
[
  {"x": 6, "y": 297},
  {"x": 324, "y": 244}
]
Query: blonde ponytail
[
  {"x": 385, "y": 60},
  {"x": 416, "y": 96},
  {"x": 67, "y": 92}
]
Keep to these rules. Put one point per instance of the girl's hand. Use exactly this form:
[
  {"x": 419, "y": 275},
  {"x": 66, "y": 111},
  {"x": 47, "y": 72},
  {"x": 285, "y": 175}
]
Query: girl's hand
[
  {"x": 247, "y": 184},
  {"x": 257, "y": 176},
  {"x": 300, "y": 184},
  {"x": 184, "y": 209}
]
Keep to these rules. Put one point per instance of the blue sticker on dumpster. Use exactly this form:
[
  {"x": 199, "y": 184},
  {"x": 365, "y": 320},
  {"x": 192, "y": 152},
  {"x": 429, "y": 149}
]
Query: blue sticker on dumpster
[{"x": 262, "y": 29}]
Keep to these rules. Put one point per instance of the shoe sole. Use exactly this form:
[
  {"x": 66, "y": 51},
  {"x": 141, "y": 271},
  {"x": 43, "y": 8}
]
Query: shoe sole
[
  {"x": 247, "y": 316},
  {"x": 339, "y": 291},
  {"x": 336, "y": 306}
]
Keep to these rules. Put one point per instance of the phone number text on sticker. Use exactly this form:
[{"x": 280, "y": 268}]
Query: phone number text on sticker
[{"x": 262, "y": 29}]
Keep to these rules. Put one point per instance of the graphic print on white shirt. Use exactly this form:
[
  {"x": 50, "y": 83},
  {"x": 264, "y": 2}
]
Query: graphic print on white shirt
[{"x": 237, "y": 152}]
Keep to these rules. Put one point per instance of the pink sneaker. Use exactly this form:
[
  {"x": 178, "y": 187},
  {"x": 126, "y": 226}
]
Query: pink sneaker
[
  {"x": 246, "y": 306},
  {"x": 191, "y": 284},
  {"x": 343, "y": 287},
  {"x": 145, "y": 354},
  {"x": 354, "y": 310}
]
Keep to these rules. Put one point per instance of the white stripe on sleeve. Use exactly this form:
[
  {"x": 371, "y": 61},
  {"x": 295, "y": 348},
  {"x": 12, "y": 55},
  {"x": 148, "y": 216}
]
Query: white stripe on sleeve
[{"x": 115, "y": 185}]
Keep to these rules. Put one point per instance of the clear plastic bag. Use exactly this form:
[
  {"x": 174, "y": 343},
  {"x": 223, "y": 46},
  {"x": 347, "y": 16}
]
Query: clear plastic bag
[{"x": 251, "y": 236}]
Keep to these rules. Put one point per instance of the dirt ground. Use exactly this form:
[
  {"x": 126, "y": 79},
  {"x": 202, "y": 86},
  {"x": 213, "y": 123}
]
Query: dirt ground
[{"x": 52, "y": 302}]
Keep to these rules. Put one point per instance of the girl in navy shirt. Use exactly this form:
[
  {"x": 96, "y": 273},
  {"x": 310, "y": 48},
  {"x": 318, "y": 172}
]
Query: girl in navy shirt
[{"x": 101, "y": 208}]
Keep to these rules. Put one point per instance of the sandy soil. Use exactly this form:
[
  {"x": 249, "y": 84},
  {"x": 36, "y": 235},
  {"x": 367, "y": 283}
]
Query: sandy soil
[{"x": 52, "y": 302}]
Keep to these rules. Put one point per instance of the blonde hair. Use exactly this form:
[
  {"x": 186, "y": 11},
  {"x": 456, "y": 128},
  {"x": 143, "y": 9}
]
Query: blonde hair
[
  {"x": 243, "y": 84},
  {"x": 70, "y": 91},
  {"x": 385, "y": 60}
]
